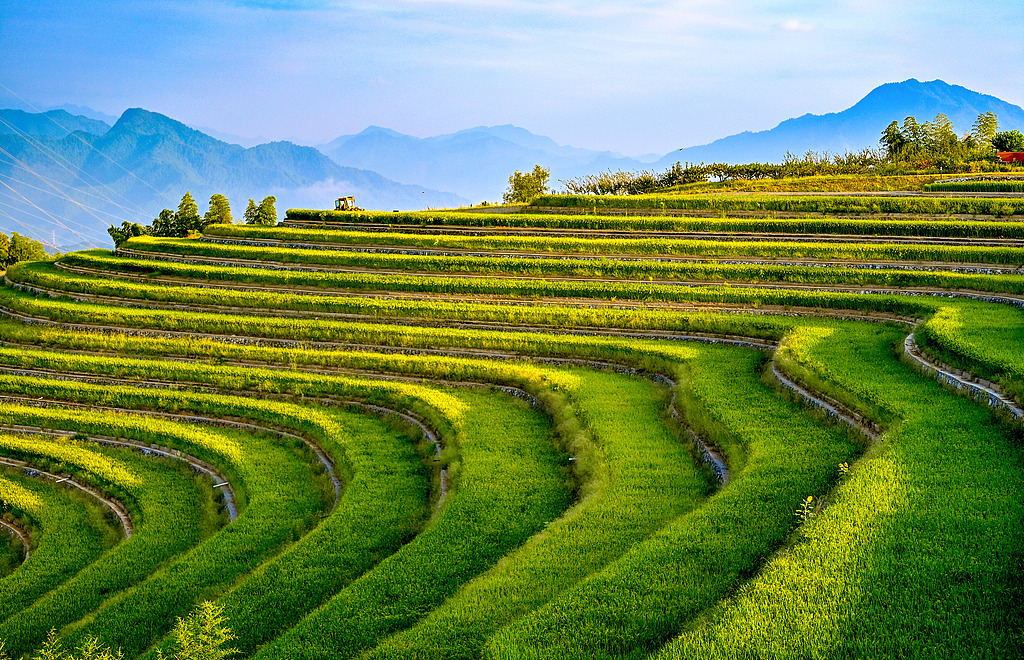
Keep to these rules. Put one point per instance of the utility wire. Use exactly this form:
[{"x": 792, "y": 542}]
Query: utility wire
[
  {"x": 26, "y": 184},
  {"x": 70, "y": 199},
  {"x": 53, "y": 218},
  {"x": 77, "y": 172},
  {"x": 129, "y": 172},
  {"x": 19, "y": 198}
]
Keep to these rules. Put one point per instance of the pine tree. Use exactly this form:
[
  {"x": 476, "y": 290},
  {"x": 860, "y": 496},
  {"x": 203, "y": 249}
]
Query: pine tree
[
  {"x": 187, "y": 219},
  {"x": 251, "y": 213}
]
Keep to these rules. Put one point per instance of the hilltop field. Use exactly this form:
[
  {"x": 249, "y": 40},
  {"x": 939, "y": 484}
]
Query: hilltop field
[{"x": 679, "y": 425}]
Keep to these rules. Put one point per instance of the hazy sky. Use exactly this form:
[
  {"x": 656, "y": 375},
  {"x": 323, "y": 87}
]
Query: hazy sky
[{"x": 637, "y": 77}]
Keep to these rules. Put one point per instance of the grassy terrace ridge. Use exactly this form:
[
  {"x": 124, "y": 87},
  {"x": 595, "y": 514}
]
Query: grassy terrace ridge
[
  {"x": 786, "y": 457},
  {"x": 1016, "y": 186},
  {"x": 983, "y": 337},
  {"x": 534, "y": 246},
  {"x": 563, "y": 510},
  {"x": 603, "y": 270},
  {"x": 485, "y": 294},
  {"x": 648, "y": 480},
  {"x": 166, "y": 501},
  {"x": 825, "y": 204},
  {"x": 863, "y": 226},
  {"x": 504, "y": 499},
  {"x": 70, "y": 533},
  {"x": 911, "y": 517}
]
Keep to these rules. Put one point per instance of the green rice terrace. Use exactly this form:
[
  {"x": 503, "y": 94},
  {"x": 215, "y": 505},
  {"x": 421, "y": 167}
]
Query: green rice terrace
[{"x": 656, "y": 426}]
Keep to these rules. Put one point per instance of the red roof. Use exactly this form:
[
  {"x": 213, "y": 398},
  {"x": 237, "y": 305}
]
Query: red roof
[{"x": 1011, "y": 156}]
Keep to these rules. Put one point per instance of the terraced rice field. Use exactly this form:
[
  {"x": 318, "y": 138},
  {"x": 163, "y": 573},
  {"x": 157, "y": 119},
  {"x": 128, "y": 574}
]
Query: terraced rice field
[{"x": 527, "y": 435}]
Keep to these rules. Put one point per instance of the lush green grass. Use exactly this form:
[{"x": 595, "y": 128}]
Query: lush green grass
[
  {"x": 615, "y": 553},
  {"x": 383, "y": 506},
  {"x": 70, "y": 532},
  {"x": 12, "y": 553},
  {"x": 167, "y": 506},
  {"x": 981, "y": 315},
  {"x": 708, "y": 249},
  {"x": 976, "y": 186},
  {"x": 510, "y": 487},
  {"x": 646, "y": 478},
  {"x": 283, "y": 498},
  {"x": 912, "y": 558},
  {"x": 987, "y": 340},
  {"x": 841, "y": 226},
  {"x": 638, "y": 602},
  {"x": 831, "y": 204},
  {"x": 604, "y": 269},
  {"x": 46, "y": 276}
]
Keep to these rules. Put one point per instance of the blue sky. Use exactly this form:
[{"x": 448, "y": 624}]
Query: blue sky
[{"x": 639, "y": 77}]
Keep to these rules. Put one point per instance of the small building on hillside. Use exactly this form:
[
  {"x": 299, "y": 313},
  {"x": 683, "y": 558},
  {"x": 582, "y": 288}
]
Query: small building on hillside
[{"x": 1011, "y": 156}]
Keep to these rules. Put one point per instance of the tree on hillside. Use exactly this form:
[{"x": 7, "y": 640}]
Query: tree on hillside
[
  {"x": 524, "y": 187},
  {"x": 187, "y": 219},
  {"x": 219, "y": 213},
  {"x": 127, "y": 230},
  {"x": 251, "y": 213},
  {"x": 939, "y": 134},
  {"x": 935, "y": 144},
  {"x": 893, "y": 142},
  {"x": 1008, "y": 141},
  {"x": 266, "y": 214},
  {"x": 913, "y": 133},
  {"x": 5, "y": 246},
  {"x": 985, "y": 128},
  {"x": 23, "y": 248},
  {"x": 163, "y": 224}
]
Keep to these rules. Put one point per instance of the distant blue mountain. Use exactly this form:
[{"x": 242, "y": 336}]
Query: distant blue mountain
[
  {"x": 475, "y": 163},
  {"x": 51, "y": 125},
  {"x": 86, "y": 111},
  {"x": 857, "y": 127},
  {"x": 146, "y": 161}
]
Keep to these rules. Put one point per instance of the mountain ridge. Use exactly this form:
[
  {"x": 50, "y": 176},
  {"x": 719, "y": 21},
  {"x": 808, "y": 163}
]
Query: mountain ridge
[
  {"x": 476, "y": 162},
  {"x": 146, "y": 161},
  {"x": 857, "y": 127}
]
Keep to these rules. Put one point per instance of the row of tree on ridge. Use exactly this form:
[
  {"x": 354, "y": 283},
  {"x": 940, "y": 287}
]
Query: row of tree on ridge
[{"x": 186, "y": 220}]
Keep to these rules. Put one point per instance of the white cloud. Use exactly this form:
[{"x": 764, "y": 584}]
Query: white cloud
[{"x": 796, "y": 25}]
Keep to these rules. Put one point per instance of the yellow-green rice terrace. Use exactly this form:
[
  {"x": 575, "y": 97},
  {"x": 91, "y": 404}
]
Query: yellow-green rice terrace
[{"x": 734, "y": 426}]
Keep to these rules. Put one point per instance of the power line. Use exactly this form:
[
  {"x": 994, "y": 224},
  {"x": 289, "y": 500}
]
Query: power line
[
  {"x": 26, "y": 184},
  {"x": 53, "y": 218},
  {"x": 21, "y": 199},
  {"x": 130, "y": 173},
  {"x": 77, "y": 172},
  {"x": 73, "y": 201}
]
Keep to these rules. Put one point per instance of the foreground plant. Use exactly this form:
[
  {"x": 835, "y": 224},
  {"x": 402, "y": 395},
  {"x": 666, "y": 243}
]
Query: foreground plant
[
  {"x": 90, "y": 649},
  {"x": 202, "y": 635}
]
